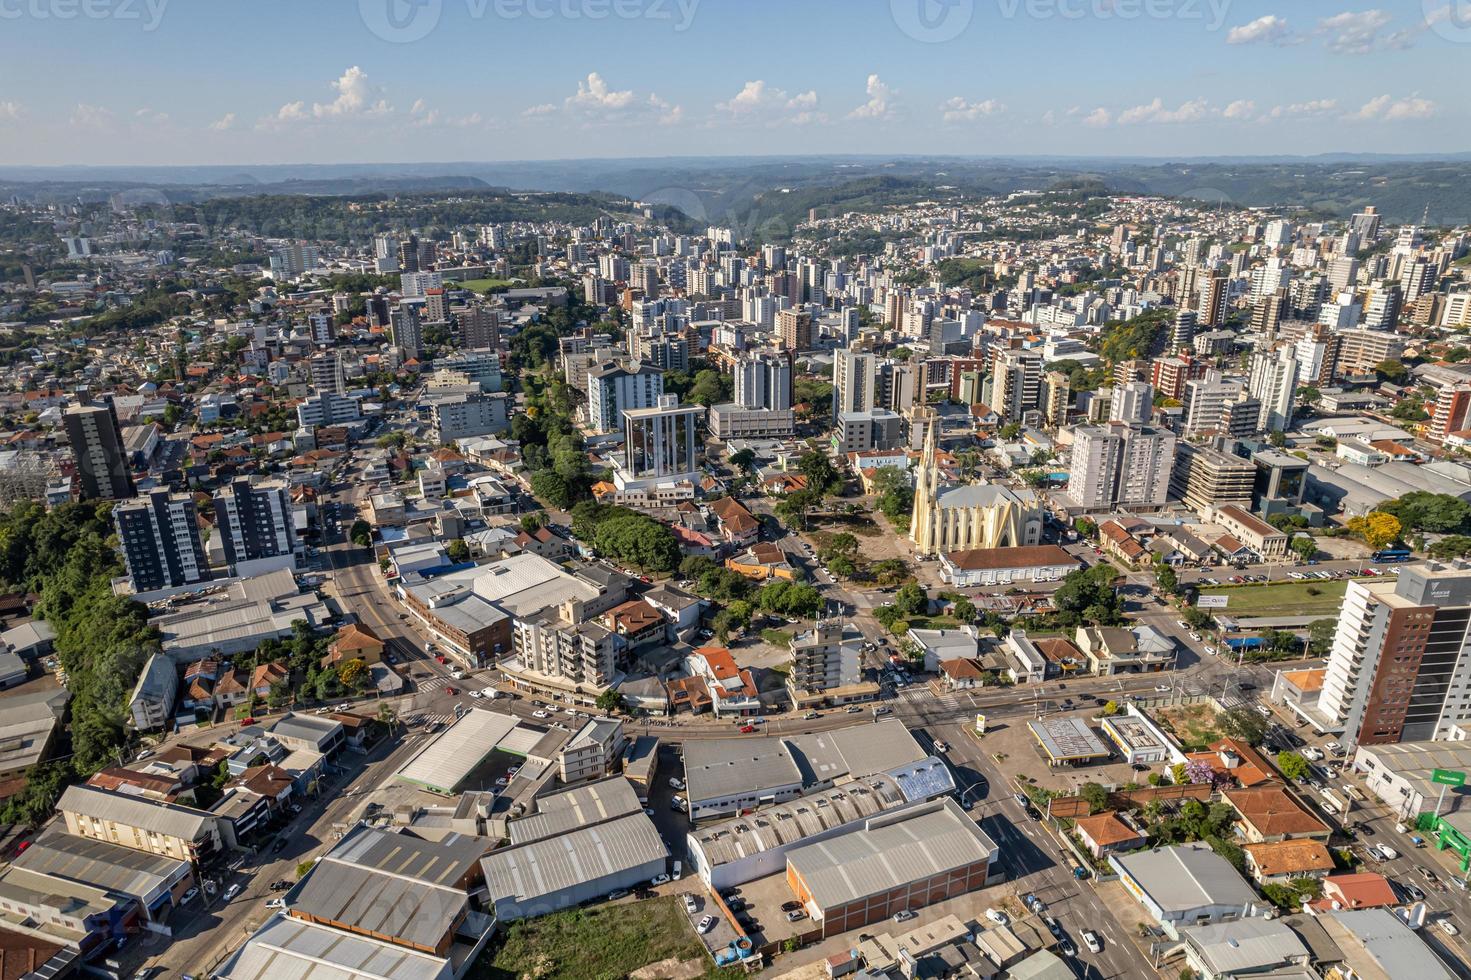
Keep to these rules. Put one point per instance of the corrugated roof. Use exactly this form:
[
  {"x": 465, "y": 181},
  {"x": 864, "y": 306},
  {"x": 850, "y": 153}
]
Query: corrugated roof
[
  {"x": 559, "y": 813},
  {"x": 528, "y": 871},
  {"x": 98, "y": 863},
  {"x": 891, "y": 852},
  {"x": 168, "y": 819},
  {"x": 1186, "y": 877},
  {"x": 289, "y": 949},
  {"x": 448, "y": 760}
]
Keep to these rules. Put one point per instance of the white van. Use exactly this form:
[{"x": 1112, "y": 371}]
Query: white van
[{"x": 678, "y": 870}]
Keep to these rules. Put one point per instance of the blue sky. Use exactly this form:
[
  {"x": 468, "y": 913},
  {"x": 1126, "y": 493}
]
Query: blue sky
[{"x": 289, "y": 81}]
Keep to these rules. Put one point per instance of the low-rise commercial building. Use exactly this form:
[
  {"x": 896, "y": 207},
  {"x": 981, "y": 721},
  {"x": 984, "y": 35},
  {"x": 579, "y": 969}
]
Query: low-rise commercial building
[
  {"x": 1006, "y": 566},
  {"x": 1185, "y": 885}
]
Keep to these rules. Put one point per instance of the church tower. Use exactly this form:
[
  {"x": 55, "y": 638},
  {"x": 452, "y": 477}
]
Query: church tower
[{"x": 927, "y": 486}]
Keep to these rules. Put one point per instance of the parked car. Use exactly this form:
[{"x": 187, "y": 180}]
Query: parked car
[
  {"x": 658, "y": 880},
  {"x": 1413, "y": 890},
  {"x": 796, "y": 915},
  {"x": 904, "y": 915},
  {"x": 747, "y": 729},
  {"x": 676, "y": 803},
  {"x": 690, "y": 905},
  {"x": 706, "y": 924},
  {"x": 538, "y": 713},
  {"x": 231, "y": 892},
  {"x": 620, "y": 893},
  {"x": 997, "y": 916},
  {"x": 189, "y": 896},
  {"x": 1448, "y": 927},
  {"x": 1052, "y": 926},
  {"x": 790, "y": 906},
  {"x": 675, "y": 783}
]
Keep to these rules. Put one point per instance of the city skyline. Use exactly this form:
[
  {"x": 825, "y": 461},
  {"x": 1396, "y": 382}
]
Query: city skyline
[{"x": 149, "y": 82}]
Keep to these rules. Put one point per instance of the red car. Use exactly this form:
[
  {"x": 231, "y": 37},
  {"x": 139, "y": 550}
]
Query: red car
[
  {"x": 440, "y": 659},
  {"x": 451, "y": 691},
  {"x": 247, "y": 721},
  {"x": 747, "y": 729}
]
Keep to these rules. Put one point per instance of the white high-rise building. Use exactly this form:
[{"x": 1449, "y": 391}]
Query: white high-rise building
[
  {"x": 1131, "y": 403},
  {"x": 326, "y": 373},
  {"x": 763, "y": 379},
  {"x": 854, "y": 382},
  {"x": 1273, "y": 382},
  {"x": 1118, "y": 465}
]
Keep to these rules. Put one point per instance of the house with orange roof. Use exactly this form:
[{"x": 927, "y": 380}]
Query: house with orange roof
[
  {"x": 1269, "y": 812},
  {"x": 732, "y": 690},
  {"x": 355, "y": 641},
  {"x": 1281, "y": 861},
  {"x": 688, "y": 693},
  {"x": 762, "y": 562},
  {"x": 637, "y": 622},
  {"x": 230, "y": 690},
  {"x": 268, "y": 675},
  {"x": 1299, "y": 690},
  {"x": 1361, "y": 890},
  {"x": 1103, "y": 833},
  {"x": 1235, "y": 760},
  {"x": 738, "y": 527}
]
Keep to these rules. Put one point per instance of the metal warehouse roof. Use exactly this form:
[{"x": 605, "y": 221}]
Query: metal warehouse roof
[
  {"x": 716, "y": 768},
  {"x": 441, "y": 862},
  {"x": 168, "y": 819},
  {"x": 448, "y": 760},
  {"x": 524, "y": 872},
  {"x": 289, "y": 949},
  {"x": 1185, "y": 877},
  {"x": 891, "y": 852},
  {"x": 381, "y": 903},
  {"x": 1066, "y": 739},
  {"x": 97, "y": 863},
  {"x": 798, "y": 819},
  {"x": 558, "y": 813}
]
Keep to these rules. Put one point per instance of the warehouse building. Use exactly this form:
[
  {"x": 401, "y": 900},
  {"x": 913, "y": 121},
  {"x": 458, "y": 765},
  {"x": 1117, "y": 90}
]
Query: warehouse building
[
  {"x": 727, "y": 775},
  {"x": 1186, "y": 885},
  {"x": 461, "y": 755},
  {"x": 755, "y": 845},
  {"x": 558, "y": 872},
  {"x": 895, "y": 862}
]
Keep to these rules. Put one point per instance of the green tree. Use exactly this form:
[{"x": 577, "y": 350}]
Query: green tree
[
  {"x": 965, "y": 610},
  {"x": 531, "y": 523},
  {"x": 1248, "y": 726},
  {"x": 1095, "y": 796},
  {"x": 361, "y": 533},
  {"x": 1304, "y": 547},
  {"x": 912, "y": 600},
  {"x": 609, "y": 701},
  {"x": 458, "y": 551},
  {"x": 1292, "y": 765},
  {"x": 822, "y": 478},
  {"x": 1166, "y": 579},
  {"x": 744, "y": 460},
  {"x": 841, "y": 544},
  {"x": 352, "y": 674}
]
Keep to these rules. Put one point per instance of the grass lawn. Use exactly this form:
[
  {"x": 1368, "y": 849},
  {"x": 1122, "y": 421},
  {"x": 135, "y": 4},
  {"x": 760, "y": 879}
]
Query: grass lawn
[
  {"x": 481, "y": 285},
  {"x": 1283, "y": 598},
  {"x": 604, "y": 942},
  {"x": 780, "y": 639}
]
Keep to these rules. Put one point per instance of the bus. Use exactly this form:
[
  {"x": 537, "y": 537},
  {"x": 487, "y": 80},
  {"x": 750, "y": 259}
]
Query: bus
[{"x": 1391, "y": 555}]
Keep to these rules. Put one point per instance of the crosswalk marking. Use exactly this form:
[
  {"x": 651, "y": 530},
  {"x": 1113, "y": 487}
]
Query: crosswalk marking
[
  {"x": 927, "y": 698},
  {"x": 433, "y": 684}
]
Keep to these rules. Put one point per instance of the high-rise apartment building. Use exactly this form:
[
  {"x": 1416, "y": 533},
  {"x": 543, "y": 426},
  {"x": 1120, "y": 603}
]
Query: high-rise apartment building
[
  {"x": 1399, "y": 668},
  {"x": 615, "y": 387},
  {"x": 763, "y": 379},
  {"x": 1118, "y": 465},
  {"x": 1273, "y": 382},
  {"x": 97, "y": 444},
  {"x": 254, "y": 521},
  {"x": 408, "y": 332},
  {"x": 1131, "y": 403},
  {"x": 1016, "y": 383},
  {"x": 1205, "y": 478},
  {"x": 853, "y": 382},
  {"x": 325, "y": 369},
  {"x": 794, "y": 328},
  {"x": 159, "y": 536},
  {"x": 1214, "y": 294}
]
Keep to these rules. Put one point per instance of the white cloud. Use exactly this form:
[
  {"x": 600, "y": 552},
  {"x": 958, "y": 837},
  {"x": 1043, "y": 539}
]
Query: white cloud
[
  {"x": 1313, "y": 107},
  {"x": 596, "y": 102},
  {"x": 877, "y": 106},
  {"x": 356, "y": 98},
  {"x": 151, "y": 116},
  {"x": 1098, "y": 118},
  {"x": 1267, "y": 29},
  {"x": 758, "y": 101},
  {"x": 958, "y": 109},
  {"x": 594, "y": 94},
  {"x": 1155, "y": 112},
  {"x": 225, "y": 122},
  {"x": 86, "y": 116},
  {"x": 11, "y": 111},
  {"x": 1390, "y": 109},
  {"x": 1240, "y": 109},
  {"x": 1359, "y": 32}
]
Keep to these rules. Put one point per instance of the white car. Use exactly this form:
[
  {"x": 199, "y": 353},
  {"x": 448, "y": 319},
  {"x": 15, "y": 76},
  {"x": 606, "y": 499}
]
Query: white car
[
  {"x": 997, "y": 916},
  {"x": 675, "y": 783},
  {"x": 1332, "y": 746},
  {"x": 1312, "y": 754},
  {"x": 904, "y": 915},
  {"x": 1162, "y": 688},
  {"x": 476, "y": 694},
  {"x": 457, "y": 674},
  {"x": 658, "y": 880},
  {"x": 690, "y": 905},
  {"x": 538, "y": 713},
  {"x": 231, "y": 892},
  {"x": 1091, "y": 940},
  {"x": 706, "y": 924},
  {"x": 1383, "y": 852},
  {"x": 1448, "y": 927}
]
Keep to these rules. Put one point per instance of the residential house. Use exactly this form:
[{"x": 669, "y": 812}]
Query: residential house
[
  {"x": 1281, "y": 861},
  {"x": 1104, "y": 833},
  {"x": 1270, "y": 812},
  {"x": 763, "y": 561},
  {"x": 355, "y": 641}
]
